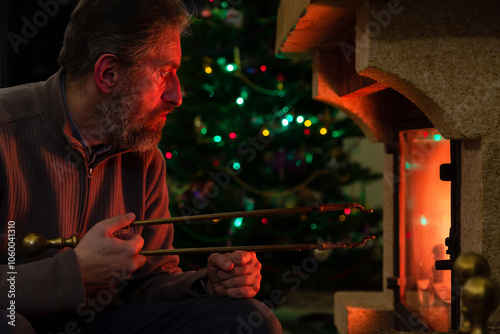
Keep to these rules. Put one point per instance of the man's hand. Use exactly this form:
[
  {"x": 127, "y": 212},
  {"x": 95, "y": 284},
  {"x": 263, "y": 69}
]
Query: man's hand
[
  {"x": 236, "y": 275},
  {"x": 103, "y": 256}
]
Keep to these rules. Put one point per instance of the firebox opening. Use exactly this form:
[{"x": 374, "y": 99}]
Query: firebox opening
[{"x": 424, "y": 224}]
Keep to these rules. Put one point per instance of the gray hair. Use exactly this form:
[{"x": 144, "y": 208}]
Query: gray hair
[{"x": 128, "y": 29}]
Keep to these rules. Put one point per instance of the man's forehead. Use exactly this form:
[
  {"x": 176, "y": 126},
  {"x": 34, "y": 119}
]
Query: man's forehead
[{"x": 169, "y": 49}]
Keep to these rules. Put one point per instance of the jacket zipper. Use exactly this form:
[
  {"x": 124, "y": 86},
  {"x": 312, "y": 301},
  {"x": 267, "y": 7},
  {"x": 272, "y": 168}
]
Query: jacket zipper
[{"x": 90, "y": 171}]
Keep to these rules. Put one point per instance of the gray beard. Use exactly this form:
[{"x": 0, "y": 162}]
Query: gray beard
[{"x": 122, "y": 121}]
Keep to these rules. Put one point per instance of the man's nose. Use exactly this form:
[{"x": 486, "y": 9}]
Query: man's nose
[{"x": 172, "y": 92}]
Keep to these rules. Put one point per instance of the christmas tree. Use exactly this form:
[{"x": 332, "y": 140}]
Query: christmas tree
[{"x": 249, "y": 136}]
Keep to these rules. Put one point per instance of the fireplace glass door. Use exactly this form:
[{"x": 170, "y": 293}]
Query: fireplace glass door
[{"x": 425, "y": 220}]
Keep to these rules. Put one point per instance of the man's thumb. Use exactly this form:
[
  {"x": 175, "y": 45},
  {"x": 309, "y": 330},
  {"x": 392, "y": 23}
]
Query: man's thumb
[{"x": 119, "y": 222}]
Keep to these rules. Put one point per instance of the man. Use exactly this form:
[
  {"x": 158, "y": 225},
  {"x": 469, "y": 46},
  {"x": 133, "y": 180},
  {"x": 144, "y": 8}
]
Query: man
[{"x": 78, "y": 156}]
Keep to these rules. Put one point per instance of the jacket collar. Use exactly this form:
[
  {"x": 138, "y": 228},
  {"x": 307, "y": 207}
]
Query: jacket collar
[{"x": 50, "y": 99}]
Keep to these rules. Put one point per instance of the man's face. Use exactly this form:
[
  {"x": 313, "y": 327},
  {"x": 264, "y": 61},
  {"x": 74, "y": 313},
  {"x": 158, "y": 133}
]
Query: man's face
[{"x": 134, "y": 117}]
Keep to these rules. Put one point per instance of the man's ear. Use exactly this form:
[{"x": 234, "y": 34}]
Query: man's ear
[{"x": 106, "y": 74}]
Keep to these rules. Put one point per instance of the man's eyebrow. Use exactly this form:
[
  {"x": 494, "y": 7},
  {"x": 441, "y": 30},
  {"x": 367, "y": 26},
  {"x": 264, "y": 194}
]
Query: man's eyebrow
[{"x": 170, "y": 64}]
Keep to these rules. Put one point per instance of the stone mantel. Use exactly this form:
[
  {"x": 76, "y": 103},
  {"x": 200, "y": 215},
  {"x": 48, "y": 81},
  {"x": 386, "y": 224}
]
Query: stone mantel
[{"x": 442, "y": 56}]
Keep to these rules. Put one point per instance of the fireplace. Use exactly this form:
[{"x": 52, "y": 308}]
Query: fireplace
[
  {"x": 423, "y": 174},
  {"x": 421, "y": 77}
]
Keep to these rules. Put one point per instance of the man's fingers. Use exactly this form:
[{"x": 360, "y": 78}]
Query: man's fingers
[
  {"x": 237, "y": 271},
  {"x": 220, "y": 261},
  {"x": 244, "y": 288},
  {"x": 236, "y": 275},
  {"x": 117, "y": 223},
  {"x": 227, "y": 262},
  {"x": 240, "y": 258},
  {"x": 135, "y": 241},
  {"x": 100, "y": 253},
  {"x": 241, "y": 281}
]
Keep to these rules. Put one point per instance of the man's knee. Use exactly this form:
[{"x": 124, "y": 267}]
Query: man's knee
[{"x": 14, "y": 323}]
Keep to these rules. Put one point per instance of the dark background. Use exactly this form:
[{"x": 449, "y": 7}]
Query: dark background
[{"x": 35, "y": 60}]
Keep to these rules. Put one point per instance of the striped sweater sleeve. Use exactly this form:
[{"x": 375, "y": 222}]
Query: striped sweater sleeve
[{"x": 42, "y": 287}]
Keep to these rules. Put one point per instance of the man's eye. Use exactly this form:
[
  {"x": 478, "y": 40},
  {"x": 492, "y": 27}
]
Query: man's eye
[{"x": 165, "y": 74}]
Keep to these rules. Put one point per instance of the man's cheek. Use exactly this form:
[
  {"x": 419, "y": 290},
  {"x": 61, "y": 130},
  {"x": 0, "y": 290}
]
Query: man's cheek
[{"x": 144, "y": 85}]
